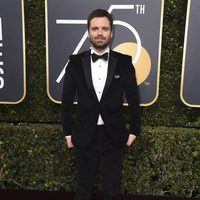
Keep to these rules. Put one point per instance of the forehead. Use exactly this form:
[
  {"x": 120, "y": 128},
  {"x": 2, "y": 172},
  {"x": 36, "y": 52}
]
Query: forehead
[{"x": 100, "y": 22}]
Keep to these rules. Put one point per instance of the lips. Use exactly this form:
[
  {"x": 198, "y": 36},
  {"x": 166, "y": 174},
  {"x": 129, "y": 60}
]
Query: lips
[{"x": 100, "y": 38}]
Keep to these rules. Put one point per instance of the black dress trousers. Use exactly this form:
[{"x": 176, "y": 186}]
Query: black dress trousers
[{"x": 101, "y": 151}]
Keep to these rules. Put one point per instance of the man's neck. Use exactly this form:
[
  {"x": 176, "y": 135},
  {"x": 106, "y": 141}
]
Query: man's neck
[{"x": 100, "y": 51}]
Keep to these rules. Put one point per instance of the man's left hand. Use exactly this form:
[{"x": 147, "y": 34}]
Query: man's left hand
[{"x": 131, "y": 139}]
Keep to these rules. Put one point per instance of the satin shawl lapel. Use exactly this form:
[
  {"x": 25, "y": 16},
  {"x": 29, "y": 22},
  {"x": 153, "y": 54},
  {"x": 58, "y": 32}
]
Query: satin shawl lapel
[
  {"x": 86, "y": 64},
  {"x": 111, "y": 71}
]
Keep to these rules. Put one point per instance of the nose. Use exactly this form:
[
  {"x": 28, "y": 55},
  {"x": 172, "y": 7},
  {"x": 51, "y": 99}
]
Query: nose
[{"x": 100, "y": 31}]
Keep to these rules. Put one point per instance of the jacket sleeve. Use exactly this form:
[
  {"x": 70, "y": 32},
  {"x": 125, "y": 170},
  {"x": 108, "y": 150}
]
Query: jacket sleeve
[
  {"x": 68, "y": 94},
  {"x": 132, "y": 96}
]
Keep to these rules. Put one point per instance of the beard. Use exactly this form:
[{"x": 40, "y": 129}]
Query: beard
[{"x": 100, "y": 45}]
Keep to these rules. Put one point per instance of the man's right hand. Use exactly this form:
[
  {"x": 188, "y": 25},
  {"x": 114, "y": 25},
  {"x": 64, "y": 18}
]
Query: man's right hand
[{"x": 69, "y": 142}]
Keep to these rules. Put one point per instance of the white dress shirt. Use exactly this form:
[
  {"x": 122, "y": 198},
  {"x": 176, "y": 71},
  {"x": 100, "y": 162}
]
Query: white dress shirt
[{"x": 99, "y": 70}]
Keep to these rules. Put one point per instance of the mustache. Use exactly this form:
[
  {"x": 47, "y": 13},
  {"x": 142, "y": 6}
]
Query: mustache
[{"x": 100, "y": 37}]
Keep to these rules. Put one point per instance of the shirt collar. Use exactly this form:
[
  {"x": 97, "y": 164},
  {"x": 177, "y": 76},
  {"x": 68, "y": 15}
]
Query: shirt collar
[{"x": 106, "y": 51}]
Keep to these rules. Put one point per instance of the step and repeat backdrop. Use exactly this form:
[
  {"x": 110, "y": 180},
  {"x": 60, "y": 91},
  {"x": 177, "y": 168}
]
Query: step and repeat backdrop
[
  {"x": 12, "y": 52},
  {"x": 137, "y": 32},
  {"x": 190, "y": 92}
]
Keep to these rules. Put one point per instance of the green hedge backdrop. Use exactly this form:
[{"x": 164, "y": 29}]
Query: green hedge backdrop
[{"x": 165, "y": 159}]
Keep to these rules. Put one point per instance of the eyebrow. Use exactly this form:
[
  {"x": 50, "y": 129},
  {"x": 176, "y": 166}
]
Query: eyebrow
[{"x": 97, "y": 27}]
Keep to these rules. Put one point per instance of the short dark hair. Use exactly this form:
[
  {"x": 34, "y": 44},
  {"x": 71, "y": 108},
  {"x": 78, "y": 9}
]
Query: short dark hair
[{"x": 100, "y": 13}]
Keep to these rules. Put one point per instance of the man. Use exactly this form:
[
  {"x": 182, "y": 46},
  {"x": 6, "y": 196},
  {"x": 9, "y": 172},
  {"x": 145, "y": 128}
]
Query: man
[{"x": 99, "y": 133}]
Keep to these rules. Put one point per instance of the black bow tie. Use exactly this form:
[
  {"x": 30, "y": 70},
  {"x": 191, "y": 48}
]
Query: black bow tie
[{"x": 95, "y": 57}]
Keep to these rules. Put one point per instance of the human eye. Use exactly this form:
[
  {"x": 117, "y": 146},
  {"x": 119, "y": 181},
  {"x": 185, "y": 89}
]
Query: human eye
[
  {"x": 94, "y": 28},
  {"x": 105, "y": 28}
]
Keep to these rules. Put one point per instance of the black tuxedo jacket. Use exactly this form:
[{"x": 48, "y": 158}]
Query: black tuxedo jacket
[{"x": 121, "y": 80}]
